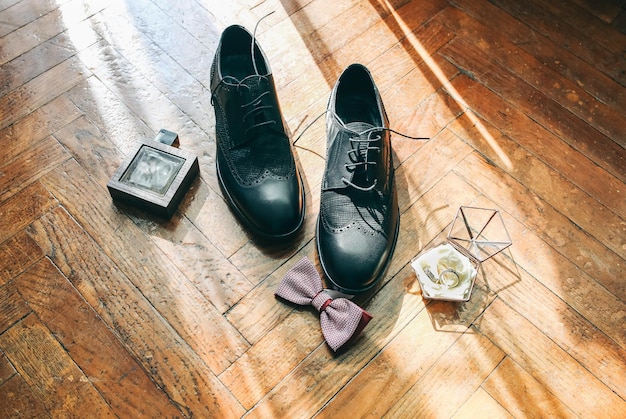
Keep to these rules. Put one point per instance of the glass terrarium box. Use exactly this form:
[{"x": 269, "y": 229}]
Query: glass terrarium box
[
  {"x": 448, "y": 271},
  {"x": 155, "y": 176}
]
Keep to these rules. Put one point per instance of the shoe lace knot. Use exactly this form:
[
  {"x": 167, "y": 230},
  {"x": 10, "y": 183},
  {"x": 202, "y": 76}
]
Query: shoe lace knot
[
  {"x": 360, "y": 157},
  {"x": 254, "y": 94},
  {"x": 253, "y": 100}
]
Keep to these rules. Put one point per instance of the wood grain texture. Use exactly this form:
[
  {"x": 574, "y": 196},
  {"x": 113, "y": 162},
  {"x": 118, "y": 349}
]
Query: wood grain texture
[
  {"x": 548, "y": 363},
  {"x": 151, "y": 340},
  {"x": 106, "y": 310},
  {"x": 16, "y": 255},
  {"x": 19, "y": 400},
  {"x": 95, "y": 349},
  {"x": 510, "y": 385},
  {"x": 50, "y": 372},
  {"x": 481, "y": 404}
]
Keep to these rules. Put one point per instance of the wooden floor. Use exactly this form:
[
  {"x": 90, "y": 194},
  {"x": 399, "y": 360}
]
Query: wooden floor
[{"x": 108, "y": 311}]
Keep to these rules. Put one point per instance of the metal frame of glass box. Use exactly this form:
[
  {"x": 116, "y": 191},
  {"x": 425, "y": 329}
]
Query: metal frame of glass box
[
  {"x": 156, "y": 176},
  {"x": 475, "y": 233}
]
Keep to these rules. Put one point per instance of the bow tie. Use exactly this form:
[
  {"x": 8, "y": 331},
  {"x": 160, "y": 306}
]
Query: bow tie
[{"x": 340, "y": 318}]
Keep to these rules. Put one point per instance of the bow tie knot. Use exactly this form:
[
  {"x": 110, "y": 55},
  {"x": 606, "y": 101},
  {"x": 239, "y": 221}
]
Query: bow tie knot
[
  {"x": 340, "y": 319},
  {"x": 321, "y": 301}
]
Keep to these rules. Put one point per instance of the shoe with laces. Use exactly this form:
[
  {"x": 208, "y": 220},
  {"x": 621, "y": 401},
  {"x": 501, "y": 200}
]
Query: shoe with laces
[
  {"x": 358, "y": 222},
  {"x": 255, "y": 163}
]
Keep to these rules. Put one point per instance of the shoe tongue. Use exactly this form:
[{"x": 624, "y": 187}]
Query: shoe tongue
[{"x": 359, "y": 126}]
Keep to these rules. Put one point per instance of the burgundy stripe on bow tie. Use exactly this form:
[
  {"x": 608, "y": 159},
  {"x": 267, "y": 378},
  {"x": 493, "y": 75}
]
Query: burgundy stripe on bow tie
[{"x": 340, "y": 318}]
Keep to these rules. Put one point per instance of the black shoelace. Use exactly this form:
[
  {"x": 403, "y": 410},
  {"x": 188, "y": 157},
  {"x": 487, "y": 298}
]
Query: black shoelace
[
  {"x": 359, "y": 156},
  {"x": 251, "y": 100},
  {"x": 254, "y": 115}
]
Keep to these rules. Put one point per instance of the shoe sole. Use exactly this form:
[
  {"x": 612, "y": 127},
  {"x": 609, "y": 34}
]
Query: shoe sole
[
  {"x": 247, "y": 223},
  {"x": 380, "y": 275}
]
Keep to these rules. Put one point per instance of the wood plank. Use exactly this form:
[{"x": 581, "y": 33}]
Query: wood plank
[
  {"x": 516, "y": 114},
  {"x": 199, "y": 260},
  {"x": 559, "y": 373},
  {"x": 6, "y": 370},
  {"x": 481, "y": 404},
  {"x": 148, "y": 104},
  {"x": 172, "y": 294},
  {"x": 48, "y": 370},
  {"x": 298, "y": 22},
  {"x": 23, "y": 12},
  {"x": 156, "y": 65},
  {"x": 569, "y": 37},
  {"x": 30, "y": 166},
  {"x": 91, "y": 344},
  {"x": 509, "y": 381},
  {"x": 19, "y": 138},
  {"x": 578, "y": 17},
  {"x": 40, "y": 90},
  {"x": 5, "y": 4},
  {"x": 23, "y": 208},
  {"x": 565, "y": 92},
  {"x": 112, "y": 118},
  {"x": 379, "y": 60},
  {"x": 13, "y": 308},
  {"x": 45, "y": 56},
  {"x": 211, "y": 215},
  {"x": 172, "y": 364},
  {"x": 18, "y": 41},
  {"x": 370, "y": 44},
  {"x": 426, "y": 121},
  {"x": 200, "y": 22},
  {"x": 420, "y": 84},
  {"x": 441, "y": 391},
  {"x": 606, "y": 10},
  {"x": 91, "y": 149},
  {"x": 16, "y": 255},
  {"x": 17, "y": 400},
  {"x": 619, "y": 23},
  {"x": 146, "y": 18},
  {"x": 586, "y": 76},
  {"x": 439, "y": 155},
  {"x": 409, "y": 52}
]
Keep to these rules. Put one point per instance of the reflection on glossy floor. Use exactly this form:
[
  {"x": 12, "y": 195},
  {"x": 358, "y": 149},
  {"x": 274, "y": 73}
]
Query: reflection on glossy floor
[{"x": 106, "y": 310}]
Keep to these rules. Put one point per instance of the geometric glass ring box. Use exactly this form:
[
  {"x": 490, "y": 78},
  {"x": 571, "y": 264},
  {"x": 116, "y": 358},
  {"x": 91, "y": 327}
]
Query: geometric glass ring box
[
  {"x": 448, "y": 271},
  {"x": 155, "y": 176}
]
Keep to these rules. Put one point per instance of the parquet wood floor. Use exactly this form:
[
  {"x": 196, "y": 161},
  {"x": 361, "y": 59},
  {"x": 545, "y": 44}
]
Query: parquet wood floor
[{"x": 109, "y": 311}]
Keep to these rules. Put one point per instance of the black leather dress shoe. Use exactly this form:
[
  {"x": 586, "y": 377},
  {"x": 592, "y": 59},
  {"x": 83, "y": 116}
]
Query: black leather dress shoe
[
  {"x": 358, "y": 221},
  {"x": 255, "y": 163}
]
